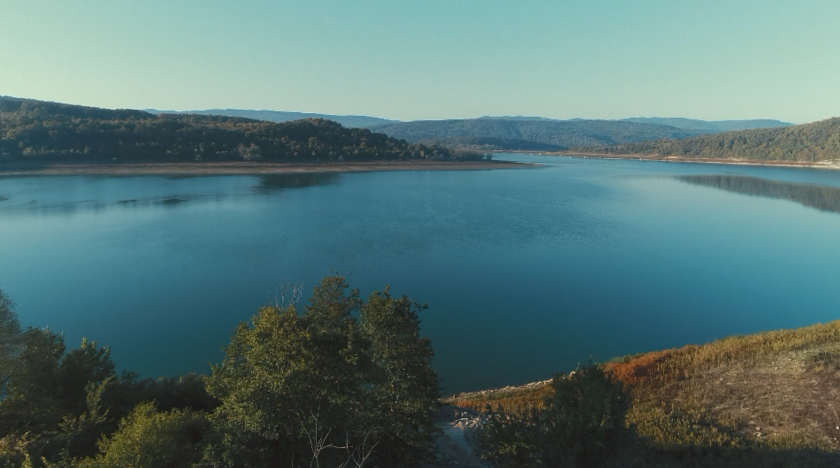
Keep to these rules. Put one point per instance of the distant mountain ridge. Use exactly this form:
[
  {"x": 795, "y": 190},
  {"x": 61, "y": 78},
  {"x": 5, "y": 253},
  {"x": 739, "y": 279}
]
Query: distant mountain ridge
[
  {"x": 711, "y": 125},
  {"x": 350, "y": 121},
  {"x": 528, "y": 133},
  {"x": 494, "y": 140},
  {"x": 813, "y": 142}
]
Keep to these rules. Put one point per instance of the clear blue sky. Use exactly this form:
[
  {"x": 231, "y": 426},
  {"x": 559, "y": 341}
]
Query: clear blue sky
[{"x": 431, "y": 59}]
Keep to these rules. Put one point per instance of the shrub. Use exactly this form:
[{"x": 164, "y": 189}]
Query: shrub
[{"x": 582, "y": 424}]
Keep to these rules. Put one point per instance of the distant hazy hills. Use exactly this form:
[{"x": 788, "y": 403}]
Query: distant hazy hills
[
  {"x": 714, "y": 126},
  {"x": 356, "y": 121},
  {"x": 813, "y": 142},
  {"x": 528, "y": 133},
  {"x": 515, "y": 132},
  {"x": 40, "y": 129}
]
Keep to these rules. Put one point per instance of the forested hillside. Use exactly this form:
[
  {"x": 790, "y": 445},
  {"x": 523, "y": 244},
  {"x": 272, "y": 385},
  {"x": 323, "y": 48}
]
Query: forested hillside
[
  {"x": 40, "y": 131},
  {"x": 353, "y": 121},
  {"x": 814, "y": 142},
  {"x": 712, "y": 126},
  {"x": 528, "y": 133}
]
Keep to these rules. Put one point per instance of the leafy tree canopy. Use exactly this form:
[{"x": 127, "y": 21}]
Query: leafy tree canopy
[
  {"x": 581, "y": 425},
  {"x": 9, "y": 340},
  {"x": 339, "y": 381}
]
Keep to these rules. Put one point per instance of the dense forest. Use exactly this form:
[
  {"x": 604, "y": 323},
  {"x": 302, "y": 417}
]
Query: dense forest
[
  {"x": 528, "y": 133},
  {"x": 813, "y": 142},
  {"x": 350, "y": 121},
  {"x": 711, "y": 126},
  {"x": 45, "y": 131},
  {"x": 361, "y": 121}
]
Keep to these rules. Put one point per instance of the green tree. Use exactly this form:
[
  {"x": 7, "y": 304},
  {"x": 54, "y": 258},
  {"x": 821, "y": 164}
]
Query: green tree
[
  {"x": 288, "y": 383},
  {"x": 9, "y": 340},
  {"x": 405, "y": 389},
  {"x": 319, "y": 388},
  {"x": 32, "y": 403},
  {"x": 147, "y": 438},
  {"x": 49, "y": 396},
  {"x": 508, "y": 441},
  {"x": 581, "y": 425}
]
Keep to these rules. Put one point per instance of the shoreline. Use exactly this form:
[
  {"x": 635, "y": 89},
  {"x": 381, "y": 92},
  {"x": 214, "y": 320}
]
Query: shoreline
[
  {"x": 832, "y": 165},
  {"x": 244, "y": 168}
]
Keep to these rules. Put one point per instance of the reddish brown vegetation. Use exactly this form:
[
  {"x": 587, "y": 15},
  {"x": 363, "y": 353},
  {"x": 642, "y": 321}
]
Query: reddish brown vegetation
[
  {"x": 642, "y": 368},
  {"x": 511, "y": 400}
]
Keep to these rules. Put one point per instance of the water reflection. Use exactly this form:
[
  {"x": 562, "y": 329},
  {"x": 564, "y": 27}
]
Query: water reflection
[
  {"x": 814, "y": 196},
  {"x": 276, "y": 182},
  {"x": 49, "y": 208},
  {"x": 42, "y": 197}
]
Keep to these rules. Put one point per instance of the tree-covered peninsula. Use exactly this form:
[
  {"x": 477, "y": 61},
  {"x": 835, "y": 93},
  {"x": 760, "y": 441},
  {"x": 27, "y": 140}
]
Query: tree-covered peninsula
[
  {"x": 34, "y": 131},
  {"x": 809, "y": 143}
]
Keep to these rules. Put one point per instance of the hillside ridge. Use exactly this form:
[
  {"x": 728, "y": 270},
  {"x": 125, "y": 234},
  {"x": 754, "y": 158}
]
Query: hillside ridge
[
  {"x": 528, "y": 134},
  {"x": 711, "y": 125},
  {"x": 812, "y": 142},
  {"x": 32, "y": 130},
  {"x": 350, "y": 121}
]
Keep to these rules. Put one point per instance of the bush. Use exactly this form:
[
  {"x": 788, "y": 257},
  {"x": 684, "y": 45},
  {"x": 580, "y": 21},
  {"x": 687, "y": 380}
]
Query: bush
[
  {"x": 581, "y": 424},
  {"x": 584, "y": 422},
  {"x": 149, "y": 439}
]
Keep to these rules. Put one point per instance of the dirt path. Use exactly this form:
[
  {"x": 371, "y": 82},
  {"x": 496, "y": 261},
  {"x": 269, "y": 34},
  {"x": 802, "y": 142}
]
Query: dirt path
[{"x": 454, "y": 447}]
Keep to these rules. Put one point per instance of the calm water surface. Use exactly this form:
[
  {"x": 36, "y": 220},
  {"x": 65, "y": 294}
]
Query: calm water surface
[{"x": 526, "y": 271}]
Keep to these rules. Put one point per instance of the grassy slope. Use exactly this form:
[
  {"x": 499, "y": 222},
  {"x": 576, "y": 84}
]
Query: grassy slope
[{"x": 778, "y": 390}]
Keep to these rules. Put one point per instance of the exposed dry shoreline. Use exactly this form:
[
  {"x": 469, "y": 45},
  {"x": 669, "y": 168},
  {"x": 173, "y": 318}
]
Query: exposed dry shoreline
[
  {"x": 243, "y": 168},
  {"x": 833, "y": 164},
  {"x": 737, "y": 162}
]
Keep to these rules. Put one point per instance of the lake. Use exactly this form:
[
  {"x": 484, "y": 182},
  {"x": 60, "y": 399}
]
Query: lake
[{"x": 526, "y": 271}]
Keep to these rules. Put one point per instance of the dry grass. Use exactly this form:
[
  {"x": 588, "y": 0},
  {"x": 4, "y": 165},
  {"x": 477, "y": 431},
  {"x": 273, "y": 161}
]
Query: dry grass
[
  {"x": 774, "y": 390},
  {"x": 777, "y": 389},
  {"x": 512, "y": 400}
]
